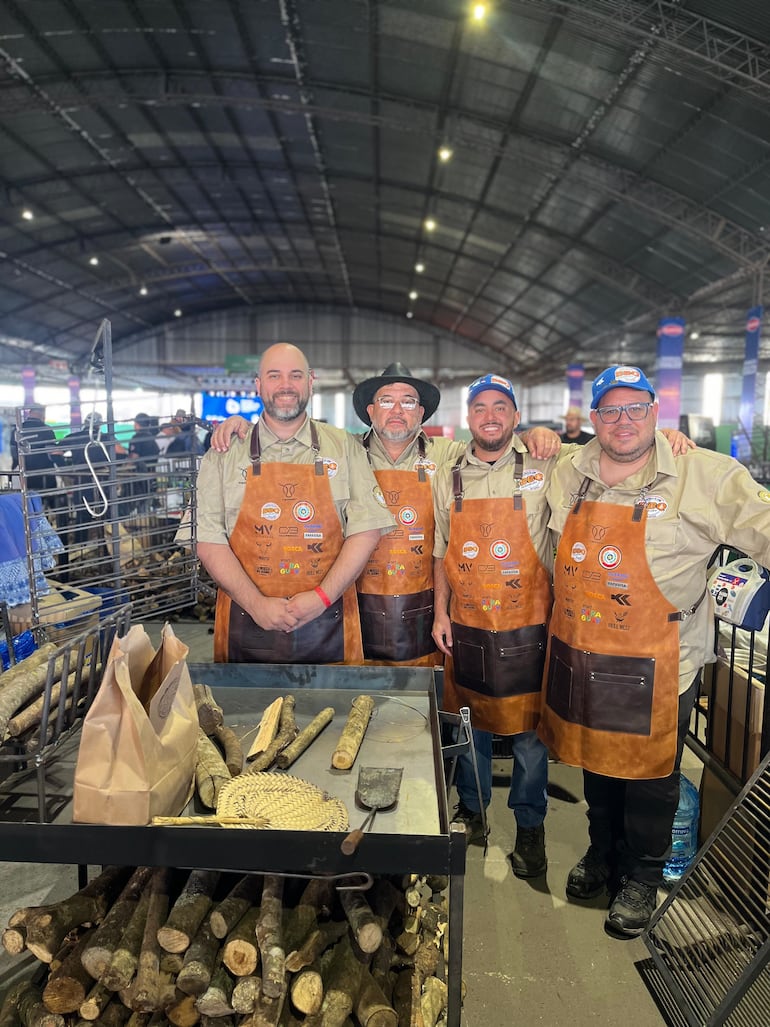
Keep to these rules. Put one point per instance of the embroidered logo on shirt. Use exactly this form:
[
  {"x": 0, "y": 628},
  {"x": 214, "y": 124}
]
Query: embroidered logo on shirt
[
  {"x": 656, "y": 506},
  {"x": 764, "y": 495},
  {"x": 377, "y": 493},
  {"x": 331, "y": 467},
  {"x": 610, "y": 557},
  {"x": 532, "y": 480},
  {"x": 270, "y": 511},
  {"x": 428, "y": 466}
]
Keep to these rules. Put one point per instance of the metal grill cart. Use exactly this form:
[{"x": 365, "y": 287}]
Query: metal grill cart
[{"x": 404, "y": 731}]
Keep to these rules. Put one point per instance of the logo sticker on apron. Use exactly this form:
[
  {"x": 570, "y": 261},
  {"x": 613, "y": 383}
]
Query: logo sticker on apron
[
  {"x": 500, "y": 549},
  {"x": 610, "y": 557},
  {"x": 303, "y": 511},
  {"x": 407, "y": 515},
  {"x": 470, "y": 550},
  {"x": 579, "y": 552},
  {"x": 396, "y": 570},
  {"x": 270, "y": 511},
  {"x": 288, "y": 567}
]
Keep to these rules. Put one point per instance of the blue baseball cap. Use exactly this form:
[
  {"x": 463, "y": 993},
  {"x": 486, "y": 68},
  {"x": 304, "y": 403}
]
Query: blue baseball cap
[
  {"x": 491, "y": 381},
  {"x": 619, "y": 376}
]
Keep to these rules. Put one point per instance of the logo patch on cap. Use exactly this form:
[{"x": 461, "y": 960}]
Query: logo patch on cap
[{"x": 627, "y": 375}]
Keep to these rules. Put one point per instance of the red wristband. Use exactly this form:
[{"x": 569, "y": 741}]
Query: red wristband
[{"x": 323, "y": 596}]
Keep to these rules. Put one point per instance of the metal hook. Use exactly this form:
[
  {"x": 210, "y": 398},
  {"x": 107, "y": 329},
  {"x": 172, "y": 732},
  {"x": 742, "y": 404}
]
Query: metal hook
[{"x": 86, "y": 456}]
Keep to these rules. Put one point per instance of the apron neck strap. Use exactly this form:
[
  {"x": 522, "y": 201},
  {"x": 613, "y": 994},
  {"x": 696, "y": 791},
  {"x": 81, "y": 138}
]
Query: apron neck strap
[
  {"x": 581, "y": 495},
  {"x": 457, "y": 487},
  {"x": 421, "y": 475},
  {"x": 255, "y": 450},
  {"x": 518, "y": 471}
]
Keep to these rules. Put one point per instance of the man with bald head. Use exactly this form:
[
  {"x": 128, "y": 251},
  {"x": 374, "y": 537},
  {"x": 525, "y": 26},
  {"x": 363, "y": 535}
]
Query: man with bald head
[{"x": 287, "y": 518}]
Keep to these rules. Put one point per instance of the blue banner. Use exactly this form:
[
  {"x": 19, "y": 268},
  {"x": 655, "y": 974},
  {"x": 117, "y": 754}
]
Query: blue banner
[
  {"x": 575, "y": 376},
  {"x": 749, "y": 388},
  {"x": 668, "y": 372}
]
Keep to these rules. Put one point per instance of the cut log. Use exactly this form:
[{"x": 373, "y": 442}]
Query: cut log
[
  {"x": 241, "y": 897},
  {"x": 240, "y": 952},
  {"x": 125, "y": 958},
  {"x": 68, "y": 985},
  {"x": 189, "y": 911},
  {"x": 14, "y": 939},
  {"x": 433, "y": 1001},
  {"x": 210, "y": 715},
  {"x": 23, "y": 681},
  {"x": 366, "y": 929},
  {"x": 171, "y": 962},
  {"x": 32, "y": 714},
  {"x": 270, "y": 937},
  {"x": 349, "y": 743},
  {"x": 103, "y": 942},
  {"x": 183, "y": 1012},
  {"x": 246, "y": 993},
  {"x": 9, "y": 1010},
  {"x": 406, "y": 999},
  {"x": 266, "y": 729},
  {"x": 216, "y": 999},
  {"x": 342, "y": 985},
  {"x": 47, "y": 926},
  {"x": 199, "y": 962},
  {"x": 307, "y": 990},
  {"x": 95, "y": 1002},
  {"x": 230, "y": 745},
  {"x": 267, "y": 1011},
  {"x": 32, "y": 1012},
  {"x": 320, "y": 893},
  {"x": 305, "y": 738},
  {"x": 372, "y": 1007},
  {"x": 211, "y": 771},
  {"x": 217, "y": 1021},
  {"x": 287, "y": 730},
  {"x": 316, "y": 943},
  {"x": 147, "y": 985},
  {"x": 115, "y": 1014}
]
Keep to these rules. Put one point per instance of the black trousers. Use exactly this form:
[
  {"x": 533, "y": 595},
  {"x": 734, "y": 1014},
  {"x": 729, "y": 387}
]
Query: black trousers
[{"x": 630, "y": 821}]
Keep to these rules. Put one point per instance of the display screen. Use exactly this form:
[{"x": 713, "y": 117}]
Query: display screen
[{"x": 216, "y": 406}]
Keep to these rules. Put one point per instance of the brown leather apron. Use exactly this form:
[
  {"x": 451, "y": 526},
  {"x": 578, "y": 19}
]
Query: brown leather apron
[
  {"x": 501, "y": 598},
  {"x": 395, "y": 589},
  {"x": 605, "y": 710},
  {"x": 287, "y": 536}
]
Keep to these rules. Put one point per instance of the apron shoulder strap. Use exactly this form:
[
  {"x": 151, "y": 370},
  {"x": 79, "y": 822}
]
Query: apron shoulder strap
[
  {"x": 457, "y": 487},
  {"x": 255, "y": 452},
  {"x": 518, "y": 471},
  {"x": 581, "y": 495},
  {"x": 320, "y": 470},
  {"x": 684, "y": 614},
  {"x": 421, "y": 475}
]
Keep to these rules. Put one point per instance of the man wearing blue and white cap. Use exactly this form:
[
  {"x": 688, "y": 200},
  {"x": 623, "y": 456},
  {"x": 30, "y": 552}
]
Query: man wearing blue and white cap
[
  {"x": 631, "y": 630},
  {"x": 492, "y": 573}
]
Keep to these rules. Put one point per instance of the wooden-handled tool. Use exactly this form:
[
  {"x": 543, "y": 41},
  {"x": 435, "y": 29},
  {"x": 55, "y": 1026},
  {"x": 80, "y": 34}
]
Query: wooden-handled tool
[{"x": 377, "y": 790}]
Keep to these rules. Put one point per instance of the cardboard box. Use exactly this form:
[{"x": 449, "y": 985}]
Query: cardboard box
[
  {"x": 715, "y": 800},
  {"x": 745, "y": 719},
  {"x": 65, "y": 612}
]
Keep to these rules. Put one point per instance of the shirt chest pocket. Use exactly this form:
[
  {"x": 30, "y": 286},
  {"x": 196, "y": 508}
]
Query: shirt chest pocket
[{"x": 664, "y": 536}]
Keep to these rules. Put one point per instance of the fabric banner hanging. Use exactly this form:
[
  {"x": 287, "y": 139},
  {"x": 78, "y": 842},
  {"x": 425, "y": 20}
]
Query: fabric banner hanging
[
  {"x": 749, "y": 388},
  {"x": 575, "y": 377},
  {"x": 668, "y": 373},
  {"x": 75, "y": 413}
]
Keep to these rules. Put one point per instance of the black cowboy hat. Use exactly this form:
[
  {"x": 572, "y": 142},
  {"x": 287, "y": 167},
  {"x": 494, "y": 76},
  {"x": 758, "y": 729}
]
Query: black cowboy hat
[{"x": 363, "y": 395}]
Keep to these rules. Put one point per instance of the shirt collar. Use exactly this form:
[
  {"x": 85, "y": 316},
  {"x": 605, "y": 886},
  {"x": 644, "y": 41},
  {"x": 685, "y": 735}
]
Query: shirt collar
[
  {"x": 515, "y": 446},
  {"x": 376, "y": 446},
  {"x": 269, "y": 438}
]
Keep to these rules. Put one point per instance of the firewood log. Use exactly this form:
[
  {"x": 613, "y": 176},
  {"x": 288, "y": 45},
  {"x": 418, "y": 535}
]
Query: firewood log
[
  {"x": 125, "y": 958},
  {"x": 433, "y": 1001},
  {"x": 406, "y": 999},
  {"x": 372, "y": 1007},
  {"x": 241, "y": 897},
  {"x": 32, "y": 714},
  {"x": 32, "y": 1012},
  {"x": 199, "y": 961},
  {"x": 188, "y": 911},
  {"x": 138, "y": 1020},
  {"x": 14, "y": 939},
  {"x": 171, "y": 962},
  {"x": 270, "y": 936},
  {"x": 9, "y": 1010},
  {"x": 103, "y": 942},
  {"x": 183, "y": 1012},
  {"x": 95, "y": 1002},
  {"x": 287, "y": 729},
  {"x": 210, "y": 715},
  {"x": 245, "y": 994},
  {"x": 211, "y": 772},
  {"x": 47, "y": 926},
  {"x": 216, "y": 999},
  {"x": 240, "y": 952},
  {"x": 67, "y": 987},
  {"x": 217, "y": 1021},
  {"x": 230, "y": 745},
  {"x": 305, "y": 738},
  {"x": 115, "y": 1014},
  {"x": 366, "y": 930},
  {"x": 267, "y": 1011},
  {"x": 147, "y": 985},
  {"x": 320, "y": 893},
  {"x": 341, "y": 984},
  {"x": 307, "y": 989},
  {"x": 349, "y": 743},
  {"x": 316, "y": 943},
  {"x": 266, "y": 729},
  {"x": 23, "y": 681}
]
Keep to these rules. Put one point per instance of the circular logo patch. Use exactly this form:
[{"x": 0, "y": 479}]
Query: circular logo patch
[
  {"x": 331, "y": 467},
  {"x": 407, "y": 515},
  {"x": 629, "y": 375},
  {"x": 610, "y": 557},
  {"x": 470, "y": 550},
  {"x": 303, "y": 511},
  {"x": 764, "y": 495},
  {"x": 578, "y": 553},
  {"x": 656, "y": 506},
  {"x": 378, "y": 495},
  {"x": 270, "y": 511},
  {"x": 500, "y": 549}
]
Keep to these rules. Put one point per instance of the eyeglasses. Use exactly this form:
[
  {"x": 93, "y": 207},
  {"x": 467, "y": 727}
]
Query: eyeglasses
[
  {"x": 407, "y": 403},
  {"x": 635, "y": 411}
]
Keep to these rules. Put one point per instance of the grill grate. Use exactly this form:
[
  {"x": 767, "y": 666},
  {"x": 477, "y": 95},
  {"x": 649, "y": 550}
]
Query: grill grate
[{"x": 710, "y": 938}]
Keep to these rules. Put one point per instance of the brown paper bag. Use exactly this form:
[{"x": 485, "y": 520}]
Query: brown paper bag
[{"x": 137, "y": 751}]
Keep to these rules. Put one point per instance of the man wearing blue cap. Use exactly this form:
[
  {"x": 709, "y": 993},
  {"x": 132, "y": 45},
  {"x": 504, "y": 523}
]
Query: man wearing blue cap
[
  {"x": 631, "y": 630},
  {"x": 492, "y": 573}
]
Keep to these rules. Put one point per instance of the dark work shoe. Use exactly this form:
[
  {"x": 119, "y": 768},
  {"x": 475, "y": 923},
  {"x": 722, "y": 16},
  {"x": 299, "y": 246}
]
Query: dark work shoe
[
  {"x": 528, "y": 857},
  {"x": 589, "y": 876},
  {"x": 632, "y": 908},
  {"x": 471, "y": 821}
]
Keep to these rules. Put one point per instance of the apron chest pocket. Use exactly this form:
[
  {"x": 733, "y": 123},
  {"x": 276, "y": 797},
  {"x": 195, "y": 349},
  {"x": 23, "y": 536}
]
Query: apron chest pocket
[
  {"x": 500, "y": 664},
  {"x": 397, "y": 627}
]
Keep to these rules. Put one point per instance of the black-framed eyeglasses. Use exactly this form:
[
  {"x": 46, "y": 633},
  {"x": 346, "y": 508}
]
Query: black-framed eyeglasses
[
  {"x": 635, "y": 412},
  {"x": 388, "y": 402}
]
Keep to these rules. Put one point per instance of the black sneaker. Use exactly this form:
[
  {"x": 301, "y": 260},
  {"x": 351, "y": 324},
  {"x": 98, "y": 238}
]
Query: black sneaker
[
  {"x": 632, "y": 908},
  {"x": 589, "y": 877},
  {"x": 528, "y": 857},
  {"x": 472, "y": 822}
]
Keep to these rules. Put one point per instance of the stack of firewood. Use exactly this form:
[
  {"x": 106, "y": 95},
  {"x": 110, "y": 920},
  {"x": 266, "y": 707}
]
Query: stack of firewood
[{"x": 152, "y": 946}]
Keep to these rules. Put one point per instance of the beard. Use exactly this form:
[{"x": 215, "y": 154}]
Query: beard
[
  {"x": 493, "y": 445},
  {"x": 286, "y": 413},
  {"x": 398, "y": 434}
]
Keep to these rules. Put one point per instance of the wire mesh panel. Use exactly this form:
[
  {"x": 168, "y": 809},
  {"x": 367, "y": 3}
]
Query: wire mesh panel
[{"x": 710, "y": 938}]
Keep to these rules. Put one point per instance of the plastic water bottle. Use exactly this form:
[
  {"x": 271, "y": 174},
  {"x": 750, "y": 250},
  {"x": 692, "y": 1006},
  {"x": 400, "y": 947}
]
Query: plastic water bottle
[{"x": 684, "y": 834}]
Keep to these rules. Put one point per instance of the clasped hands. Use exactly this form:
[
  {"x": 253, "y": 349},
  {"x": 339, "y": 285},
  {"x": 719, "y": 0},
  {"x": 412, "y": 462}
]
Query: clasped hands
[{"x": 278, "y": 614}]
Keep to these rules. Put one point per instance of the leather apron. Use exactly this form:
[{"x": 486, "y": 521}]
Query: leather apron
[
  {"x": 395, "y": 589},
  {"x": 501, "y": 598},
  {"x": 287, "y": 536},
  {"x": 605, "y": 710}
]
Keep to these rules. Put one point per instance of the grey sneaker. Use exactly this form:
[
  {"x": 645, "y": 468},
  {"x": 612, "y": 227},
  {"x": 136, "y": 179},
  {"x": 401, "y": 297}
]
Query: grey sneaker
[
  {"x": 471, "y": 821},
  {"x": 589, "y": 877},
  {"x": 528, "y": 857},
  {"x": 632, "y": 908}
]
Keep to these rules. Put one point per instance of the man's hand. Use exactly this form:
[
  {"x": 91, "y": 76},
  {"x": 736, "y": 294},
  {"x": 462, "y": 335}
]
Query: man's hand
[
  {"x": 233, "y": 425},
  {"x": 541, "y": 442},
  {"x": 442, "y": 632},
  {"x": 273, "y": 614},
  {"x": 306, "y": 606},
  {"x": 679, "y": 442}
]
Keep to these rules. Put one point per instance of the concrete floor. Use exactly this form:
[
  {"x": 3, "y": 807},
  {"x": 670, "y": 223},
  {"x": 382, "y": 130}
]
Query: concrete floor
[{"x": 530, "y": 957}]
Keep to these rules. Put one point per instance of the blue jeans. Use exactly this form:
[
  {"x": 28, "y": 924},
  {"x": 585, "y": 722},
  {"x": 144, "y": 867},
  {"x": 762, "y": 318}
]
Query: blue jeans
[{"x": 529, "y": 778}]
